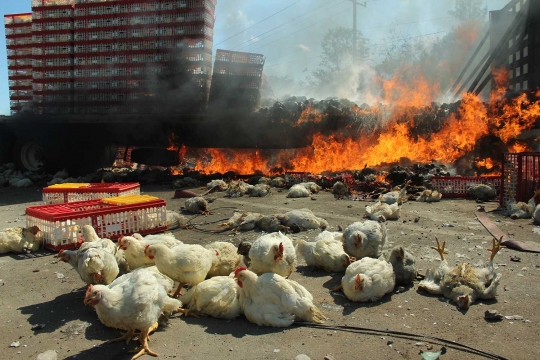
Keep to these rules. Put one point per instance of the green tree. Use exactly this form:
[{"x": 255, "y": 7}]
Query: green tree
[
  {"x": 467, "y": 10},
  {"x": 337, "y": 56}
]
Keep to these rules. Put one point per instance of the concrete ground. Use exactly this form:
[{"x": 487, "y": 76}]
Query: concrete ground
[{"x": 32, "y": 292}]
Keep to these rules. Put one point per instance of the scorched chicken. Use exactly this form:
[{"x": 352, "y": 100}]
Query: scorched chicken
[
  {"x": 464, "y": 283},
  {"x": 403, "y": 264},
  {"x": 367, "y": 238},
  {"x": 272, "y": 300},
  {"x": 381, "y": 211},
  {"x": 19, "y": 239},
  {"x": 134, "y": 301},
  {"x": 326, "y": 252},
  {"x": 272, "y": 253}
]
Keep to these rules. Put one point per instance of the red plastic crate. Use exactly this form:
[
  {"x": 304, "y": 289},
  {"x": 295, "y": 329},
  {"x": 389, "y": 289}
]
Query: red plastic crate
[
  {"x": 60, "y": 224},
  {"x": 93, "y": 191},
  {"x": 521, "y": 176},
  {"x": 456, "y": 186}
]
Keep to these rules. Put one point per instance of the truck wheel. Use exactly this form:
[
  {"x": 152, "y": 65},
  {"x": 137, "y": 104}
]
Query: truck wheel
[{"x": 29, "y": 156}]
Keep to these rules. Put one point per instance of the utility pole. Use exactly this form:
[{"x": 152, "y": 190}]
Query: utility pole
[{"x": 354, "y": 26}]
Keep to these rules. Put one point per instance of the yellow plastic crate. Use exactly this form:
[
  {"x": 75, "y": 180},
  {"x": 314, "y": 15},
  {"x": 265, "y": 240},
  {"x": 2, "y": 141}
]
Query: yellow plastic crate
[
  {"x": 129, "y": 199},
  {"x": 68, "y": 186}
]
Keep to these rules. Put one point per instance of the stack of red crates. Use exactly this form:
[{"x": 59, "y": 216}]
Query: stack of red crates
[
  {"x": 19, "y": 53},
  {"x": 521, "y": 176}
]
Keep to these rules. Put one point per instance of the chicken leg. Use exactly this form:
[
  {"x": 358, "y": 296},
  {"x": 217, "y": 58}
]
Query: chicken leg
[
  {"x": 127, "y": 336},
  {"x": 495, "y": 248},
  {"x": 143, "y": 339},
  {"x": 186, "y": 312},
  {"x": 440, "y": 249},
  {"x": 177, "y": 292}
]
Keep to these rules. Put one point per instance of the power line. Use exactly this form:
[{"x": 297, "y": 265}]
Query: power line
[
  {"x": 250, "y": 40},
  {"x": 238, "y": 33}
]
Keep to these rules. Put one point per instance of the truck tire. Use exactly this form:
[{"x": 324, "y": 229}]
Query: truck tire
[{"x": 29, "y": 156}]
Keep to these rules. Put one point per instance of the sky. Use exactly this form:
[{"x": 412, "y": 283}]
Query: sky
[{"x": 289, "y": 32}]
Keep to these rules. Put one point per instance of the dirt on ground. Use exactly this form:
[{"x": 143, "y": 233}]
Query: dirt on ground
[{"x": 41, "y": 299}]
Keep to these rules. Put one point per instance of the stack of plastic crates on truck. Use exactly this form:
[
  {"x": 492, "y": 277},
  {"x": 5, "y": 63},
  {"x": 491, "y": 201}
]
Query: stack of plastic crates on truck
[
  {"x": 456, "y": 186},
  {"x": 71, "y": 192},
  {"x": 61, "y": 224},
  {"x": 521, "y": 176}
]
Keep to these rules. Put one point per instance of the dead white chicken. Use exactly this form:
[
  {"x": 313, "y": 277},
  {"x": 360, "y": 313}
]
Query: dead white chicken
[
  {"x": 326, "y": 252},
  {"x": 397, "y": 195},
  {"x": 464, "y": 283},
  {"x": 217, "y": 297},
  {"x": 429, "y": 196},
  {"x": 298, "y": 191},
  {"x": 265, "y": 181},
  {"x": 381, "y": 211},
  {"x": 340, "y": 190},
  {"x": 278, "y": 182},
  {"x": 403, "y": 264},
  {"x": 243, "y": 221},
  {"x": 226, "y": 261},
  {"x": 260, "y": 190},
  {"x": 197, "y": 205},
  {"x": 238, "y": 189},
  {"x": 175, "y": 220},
  {"x": 521, "y": 210},
  {"x": 536, "y": 214},
  {"x": 484, "y": 192},
  {"x": 222, "y": 185},
  {"x": 272, "y": 223},
  {"x": 311, "y": 187},
  {"x": 364, "y": 239},
  {"x": 304, "y": 219},
  {"x": 19, "y": 239}
]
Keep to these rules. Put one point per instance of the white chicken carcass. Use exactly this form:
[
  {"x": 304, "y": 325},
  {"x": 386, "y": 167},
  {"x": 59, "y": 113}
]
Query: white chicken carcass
[
  {"x": 19, "y": 239},
  {"x": 272, "y": 300},
  {"x": 272, "y": 223},
  {"x": 381, "y": 211},
  {"x": 482, "y": 192},
  {"x": 197, "y": 205},
  {"x": 260, "y": 190},
  {"x": 340, "y": 190},
  {"x": 217, "y": 297},
  {"x": 187, "y": 264},
  {"x": 304, "y": 219},
  {"x": 243, "y": 221},
  {"x": 396, "y": 196},
  {"x": 521, "y": 210},
  {"x": 222, "y": 185},
  {"x": 367, "y": 280},
  {"x": 536, "y": 214},
  {"x": 133, "y": 247},
  {"x": 298, "y": 191},
  {"x": 326, "y": 252},
  {"x": 272, "y": 253},
  {"x": 278, "y": 182},
  {"x": 175, "y": 220},
  {"x": 311, "y": 187},
  {"x": 134, "y": 301},
  {"x": 238, "y": 189},
  {"x": 364, "y": 239},
  {"x": 429, "y": 196},
  {"x": 464, "y": 283},
  {"x": 403, "y": 264},
  {"x": 226, "y": 261}
]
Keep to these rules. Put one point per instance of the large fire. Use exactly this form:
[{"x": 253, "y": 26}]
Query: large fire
[{"x": 393, "y": 141}]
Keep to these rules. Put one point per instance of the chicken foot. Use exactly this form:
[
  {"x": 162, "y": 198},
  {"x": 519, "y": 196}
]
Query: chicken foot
[
  {"x": 337, "y": 288},
  {"x": 127, "y": 336},
  {"x": 440, "y": 249},
  {"x": 187, "y": 312},
  {"x": 143, "y": 339},
  {"x": 495, "y": 248}
]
